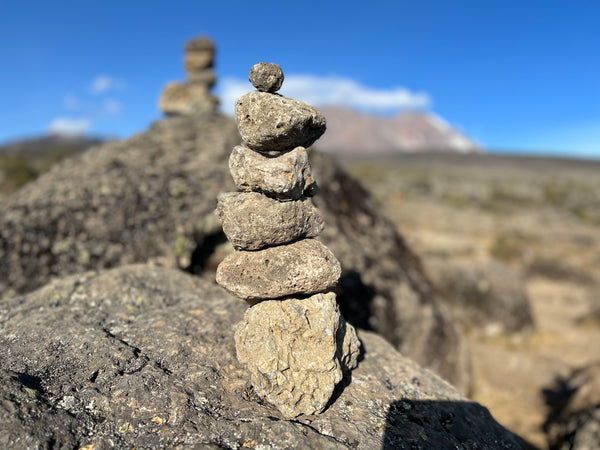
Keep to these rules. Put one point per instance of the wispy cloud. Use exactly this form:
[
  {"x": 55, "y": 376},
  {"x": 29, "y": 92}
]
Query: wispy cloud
[
  {"x": 332, "y": 91},
  {"x": 105, "y": 83},
  {"x": 69, "y": 127}
]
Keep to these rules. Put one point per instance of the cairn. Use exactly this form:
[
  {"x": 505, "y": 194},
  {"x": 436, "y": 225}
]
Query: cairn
[
  {"x": 193, "y": 96},
  {"x": 292, "y": 340}
]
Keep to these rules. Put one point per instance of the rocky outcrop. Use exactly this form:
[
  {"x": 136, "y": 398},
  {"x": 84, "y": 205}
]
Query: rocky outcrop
[
  {"x": 144, "y": 356},
  {"x": 193, "y": 96},
  {"x": 151, "y": 198},
  {"x": 574, "y": 418}
]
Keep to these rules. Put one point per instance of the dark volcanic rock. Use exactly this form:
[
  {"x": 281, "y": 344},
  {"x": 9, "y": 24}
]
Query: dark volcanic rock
[
  {"x": 152, "y": 197},
  {"x": 144, "y": 356},
  {"x": 266, "y": 77}
]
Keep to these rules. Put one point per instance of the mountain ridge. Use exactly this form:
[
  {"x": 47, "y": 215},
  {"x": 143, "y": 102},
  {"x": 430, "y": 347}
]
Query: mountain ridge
[{"x": 353, "y": 133}]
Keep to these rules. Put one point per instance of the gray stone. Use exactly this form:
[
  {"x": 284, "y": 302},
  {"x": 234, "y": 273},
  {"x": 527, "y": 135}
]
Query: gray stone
[
  {"x": 200, "y": 43},
  {"x": 266, "y": 77},
  {"x": 304, "y": 267},
  {"x": 252, "y": 220},
  {"x": 271, "y": 122},
  {"x": 203, "y": 77},
  {"x": 144, "y": 357},
  {"x": 175, "y": 99},
  {"x": 198, "y": 60},
  {"x": 287, "y": 175},
  {"x": 294, "y": 350},
  {"x": 181, "y": 99}
]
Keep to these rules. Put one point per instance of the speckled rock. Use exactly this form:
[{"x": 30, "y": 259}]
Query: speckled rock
[
  {"x": 287, "y": 175},
  {"x": 266, "y": 77},
  {"x": 252, "y": 220},
  {"x": 271, "y": 122},
  {"x": 292, "y": 353},
  {"x": 144, "y": 357},
  {"x": 303, "y": 267}
]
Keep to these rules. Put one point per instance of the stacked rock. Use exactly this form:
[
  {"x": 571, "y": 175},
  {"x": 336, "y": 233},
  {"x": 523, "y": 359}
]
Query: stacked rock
[
  {"x": 293, "y": 340},
  {"x": 194, "y": 96}
]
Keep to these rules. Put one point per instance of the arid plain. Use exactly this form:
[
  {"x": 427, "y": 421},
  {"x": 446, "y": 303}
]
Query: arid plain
[{"x": 537, "y": 217}]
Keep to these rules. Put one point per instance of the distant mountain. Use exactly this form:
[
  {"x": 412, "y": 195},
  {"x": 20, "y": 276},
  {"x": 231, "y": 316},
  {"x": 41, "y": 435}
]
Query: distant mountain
[
  {"x": 37, "y": 147},
  {"x": 351, "y": 133}
]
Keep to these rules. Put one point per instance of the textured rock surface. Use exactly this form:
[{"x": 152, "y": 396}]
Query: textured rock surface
[
  {"x": 485, "y": 294},
  {"x": 574, "y": 418},
  {"x": 287, "y": 175},
  {"x": 271, "y": 122},
  {"x": 266, "y": 77},
  {"x": 303, "y": 267},
  {"x": 176, "y": 99},
  {"x": 152, "y": 197},
  {"x": 252, "y": 220},
  {"x": 290, "y": 349},
  {"x": 144, "y": 357}
]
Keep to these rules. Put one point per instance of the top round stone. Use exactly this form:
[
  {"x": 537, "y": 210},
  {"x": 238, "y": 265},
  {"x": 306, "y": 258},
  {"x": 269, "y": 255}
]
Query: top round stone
[{"x": 266, "y": 77}]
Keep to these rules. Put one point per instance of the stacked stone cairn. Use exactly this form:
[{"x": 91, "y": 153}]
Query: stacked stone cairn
[
  {"x": 193, "y": 96},
  {"x": 292, "y": 340}
]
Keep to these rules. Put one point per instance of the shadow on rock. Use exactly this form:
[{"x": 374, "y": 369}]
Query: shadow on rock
[
  {"x": 574, "y": 418},
  {"x": 444, "y": 424}
]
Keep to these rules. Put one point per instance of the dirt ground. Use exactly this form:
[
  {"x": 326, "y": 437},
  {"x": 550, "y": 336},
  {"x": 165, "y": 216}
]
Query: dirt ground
[{"x": 541, "y": 217}]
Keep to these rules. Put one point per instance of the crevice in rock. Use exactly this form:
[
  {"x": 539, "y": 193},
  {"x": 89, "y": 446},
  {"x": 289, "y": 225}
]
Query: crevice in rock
[
  {"x": 320, "y": 433},
  {"x": 355, "y": 299},
  {"x": 200, "y": 259}
]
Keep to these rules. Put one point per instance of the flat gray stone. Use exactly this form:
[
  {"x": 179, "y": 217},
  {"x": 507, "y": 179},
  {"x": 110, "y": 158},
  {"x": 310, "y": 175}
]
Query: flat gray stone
[
  {"x": 287, "y": 175},
  {"x": 252, "y": 221},
  {"x": 266, "y": 77},
  {"x": 271, "y": 122},
  {"x": 304, "y": 267},
  {"x": 296, "y": 351}
]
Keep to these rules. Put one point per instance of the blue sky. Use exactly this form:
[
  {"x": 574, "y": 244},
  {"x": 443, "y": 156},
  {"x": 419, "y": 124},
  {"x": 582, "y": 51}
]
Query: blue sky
[{"x": 514, "y": 75}]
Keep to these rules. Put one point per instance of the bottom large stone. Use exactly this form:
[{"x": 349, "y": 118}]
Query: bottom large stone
[{"x": 296, "y": 351}]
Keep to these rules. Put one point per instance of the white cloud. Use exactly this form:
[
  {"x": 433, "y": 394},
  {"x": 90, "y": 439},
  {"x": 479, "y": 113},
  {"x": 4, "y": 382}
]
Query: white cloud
[
  {"x": 332, "y": 91},
  {"x": 112, "y": 107},
  {"x": 105, "y": 83},
  {"x": 69, "y": 127}
]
